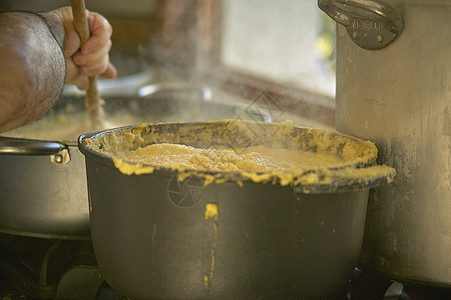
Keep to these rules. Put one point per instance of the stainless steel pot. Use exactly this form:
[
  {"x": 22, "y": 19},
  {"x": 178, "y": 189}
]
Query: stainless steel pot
[
  {"x": 157, "y": 237},
  {"x": 42, "y": 189},
  {"x": 43, "y": 183},
  {"x": 400, "y": 97}
]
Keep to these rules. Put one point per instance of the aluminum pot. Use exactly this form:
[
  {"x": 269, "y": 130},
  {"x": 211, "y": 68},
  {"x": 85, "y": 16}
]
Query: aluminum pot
[
  {"x": 43, "y": 182},
  {"x": 399, "y": 96},
  {"x": 156, "y": 236}
]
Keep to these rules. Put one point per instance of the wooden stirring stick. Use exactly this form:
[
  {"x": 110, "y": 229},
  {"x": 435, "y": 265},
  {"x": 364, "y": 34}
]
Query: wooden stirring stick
[{"x": 93, "y": 101}]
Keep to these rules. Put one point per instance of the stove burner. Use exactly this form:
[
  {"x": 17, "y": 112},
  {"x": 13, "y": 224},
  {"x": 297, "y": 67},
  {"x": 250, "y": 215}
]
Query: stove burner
[
  {"x": 366, "y": 285},
  {"x": 34, "y": 268}
]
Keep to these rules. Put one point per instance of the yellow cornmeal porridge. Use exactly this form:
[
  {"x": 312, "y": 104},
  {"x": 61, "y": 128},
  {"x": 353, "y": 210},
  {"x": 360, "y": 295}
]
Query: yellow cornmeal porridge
[
  {"x": 252, "y": 159},
  {"x": 282, "y": 153}
]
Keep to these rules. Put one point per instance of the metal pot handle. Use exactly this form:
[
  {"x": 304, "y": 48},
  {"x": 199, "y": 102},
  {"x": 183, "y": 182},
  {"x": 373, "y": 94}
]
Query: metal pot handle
[
  {"x": 370, "y": 24},
  {"x": 15, "y": 146}
]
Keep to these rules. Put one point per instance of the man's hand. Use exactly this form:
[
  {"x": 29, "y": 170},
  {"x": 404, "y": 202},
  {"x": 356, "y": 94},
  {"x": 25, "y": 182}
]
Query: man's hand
[
  {"x": 34, "y": 66},
  {"x": 92, "y": 58}
]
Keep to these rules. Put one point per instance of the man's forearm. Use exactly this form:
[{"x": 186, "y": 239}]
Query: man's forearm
[{"x": 32, "y": 67}]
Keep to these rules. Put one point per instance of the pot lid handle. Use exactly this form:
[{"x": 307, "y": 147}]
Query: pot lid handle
[
  {"x": 370, "y": 24},
  {"x": 15, "y": 146}
]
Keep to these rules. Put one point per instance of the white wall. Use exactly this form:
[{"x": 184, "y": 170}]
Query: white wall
[{"x": 275, "y": 39}]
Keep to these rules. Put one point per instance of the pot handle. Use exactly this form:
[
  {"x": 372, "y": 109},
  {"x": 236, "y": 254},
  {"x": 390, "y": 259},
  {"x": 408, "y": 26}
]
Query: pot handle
[
  {"x": 370, "y": 24},
  {"x": 15, "y": 146}
]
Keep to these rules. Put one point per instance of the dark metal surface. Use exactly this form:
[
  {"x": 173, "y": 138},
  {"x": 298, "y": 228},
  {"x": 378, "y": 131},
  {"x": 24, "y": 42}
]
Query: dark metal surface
[{"x": 267, "y": 242}]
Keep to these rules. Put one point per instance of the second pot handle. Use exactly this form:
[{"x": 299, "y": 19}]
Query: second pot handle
[
  {"x": 14, "y": 146},
  {"x": 370, "y": 24}
]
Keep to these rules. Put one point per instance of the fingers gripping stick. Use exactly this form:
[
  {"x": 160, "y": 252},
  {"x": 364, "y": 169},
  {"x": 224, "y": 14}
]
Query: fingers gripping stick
[{"x": 93, "y": 101}]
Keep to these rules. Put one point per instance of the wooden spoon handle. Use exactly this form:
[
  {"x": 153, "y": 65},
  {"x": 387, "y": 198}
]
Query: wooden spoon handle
[
  {"x": 93, "y": 101},
  {"x": 80, "y": 19}
]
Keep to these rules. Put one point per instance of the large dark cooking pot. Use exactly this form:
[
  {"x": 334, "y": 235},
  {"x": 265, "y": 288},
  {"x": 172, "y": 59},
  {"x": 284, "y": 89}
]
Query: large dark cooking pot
[
  {"x": 156, "y": 236},
  {"x": 43, "y": 182}
]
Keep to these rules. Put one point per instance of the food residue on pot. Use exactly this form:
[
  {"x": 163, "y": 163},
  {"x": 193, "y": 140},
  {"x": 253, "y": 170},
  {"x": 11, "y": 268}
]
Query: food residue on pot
[
  {"x": 240, "y": 150},
  {"x": 211, "y": 212}
]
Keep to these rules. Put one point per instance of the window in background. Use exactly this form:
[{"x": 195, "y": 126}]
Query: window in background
[{"x": 288, "y": 41}]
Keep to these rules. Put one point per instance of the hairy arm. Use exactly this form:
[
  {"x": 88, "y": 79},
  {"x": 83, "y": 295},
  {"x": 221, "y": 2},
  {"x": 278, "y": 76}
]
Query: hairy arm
[
  {"x": 32, "y": 64},
  {"x": 39, "y": 53}
]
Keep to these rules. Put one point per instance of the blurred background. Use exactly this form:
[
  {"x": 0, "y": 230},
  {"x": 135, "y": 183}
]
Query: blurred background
[{"x": 285, "y": 48}]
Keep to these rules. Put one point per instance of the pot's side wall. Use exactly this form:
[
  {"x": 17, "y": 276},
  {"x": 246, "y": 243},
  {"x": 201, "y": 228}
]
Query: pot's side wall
[
  {"x": 42, "y": 199},
  {"x": 156, "y": 237},
  {"x": 400, "y": 98}
]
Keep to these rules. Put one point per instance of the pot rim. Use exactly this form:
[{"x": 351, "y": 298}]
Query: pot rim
[{"x": 339, "y": 177}]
